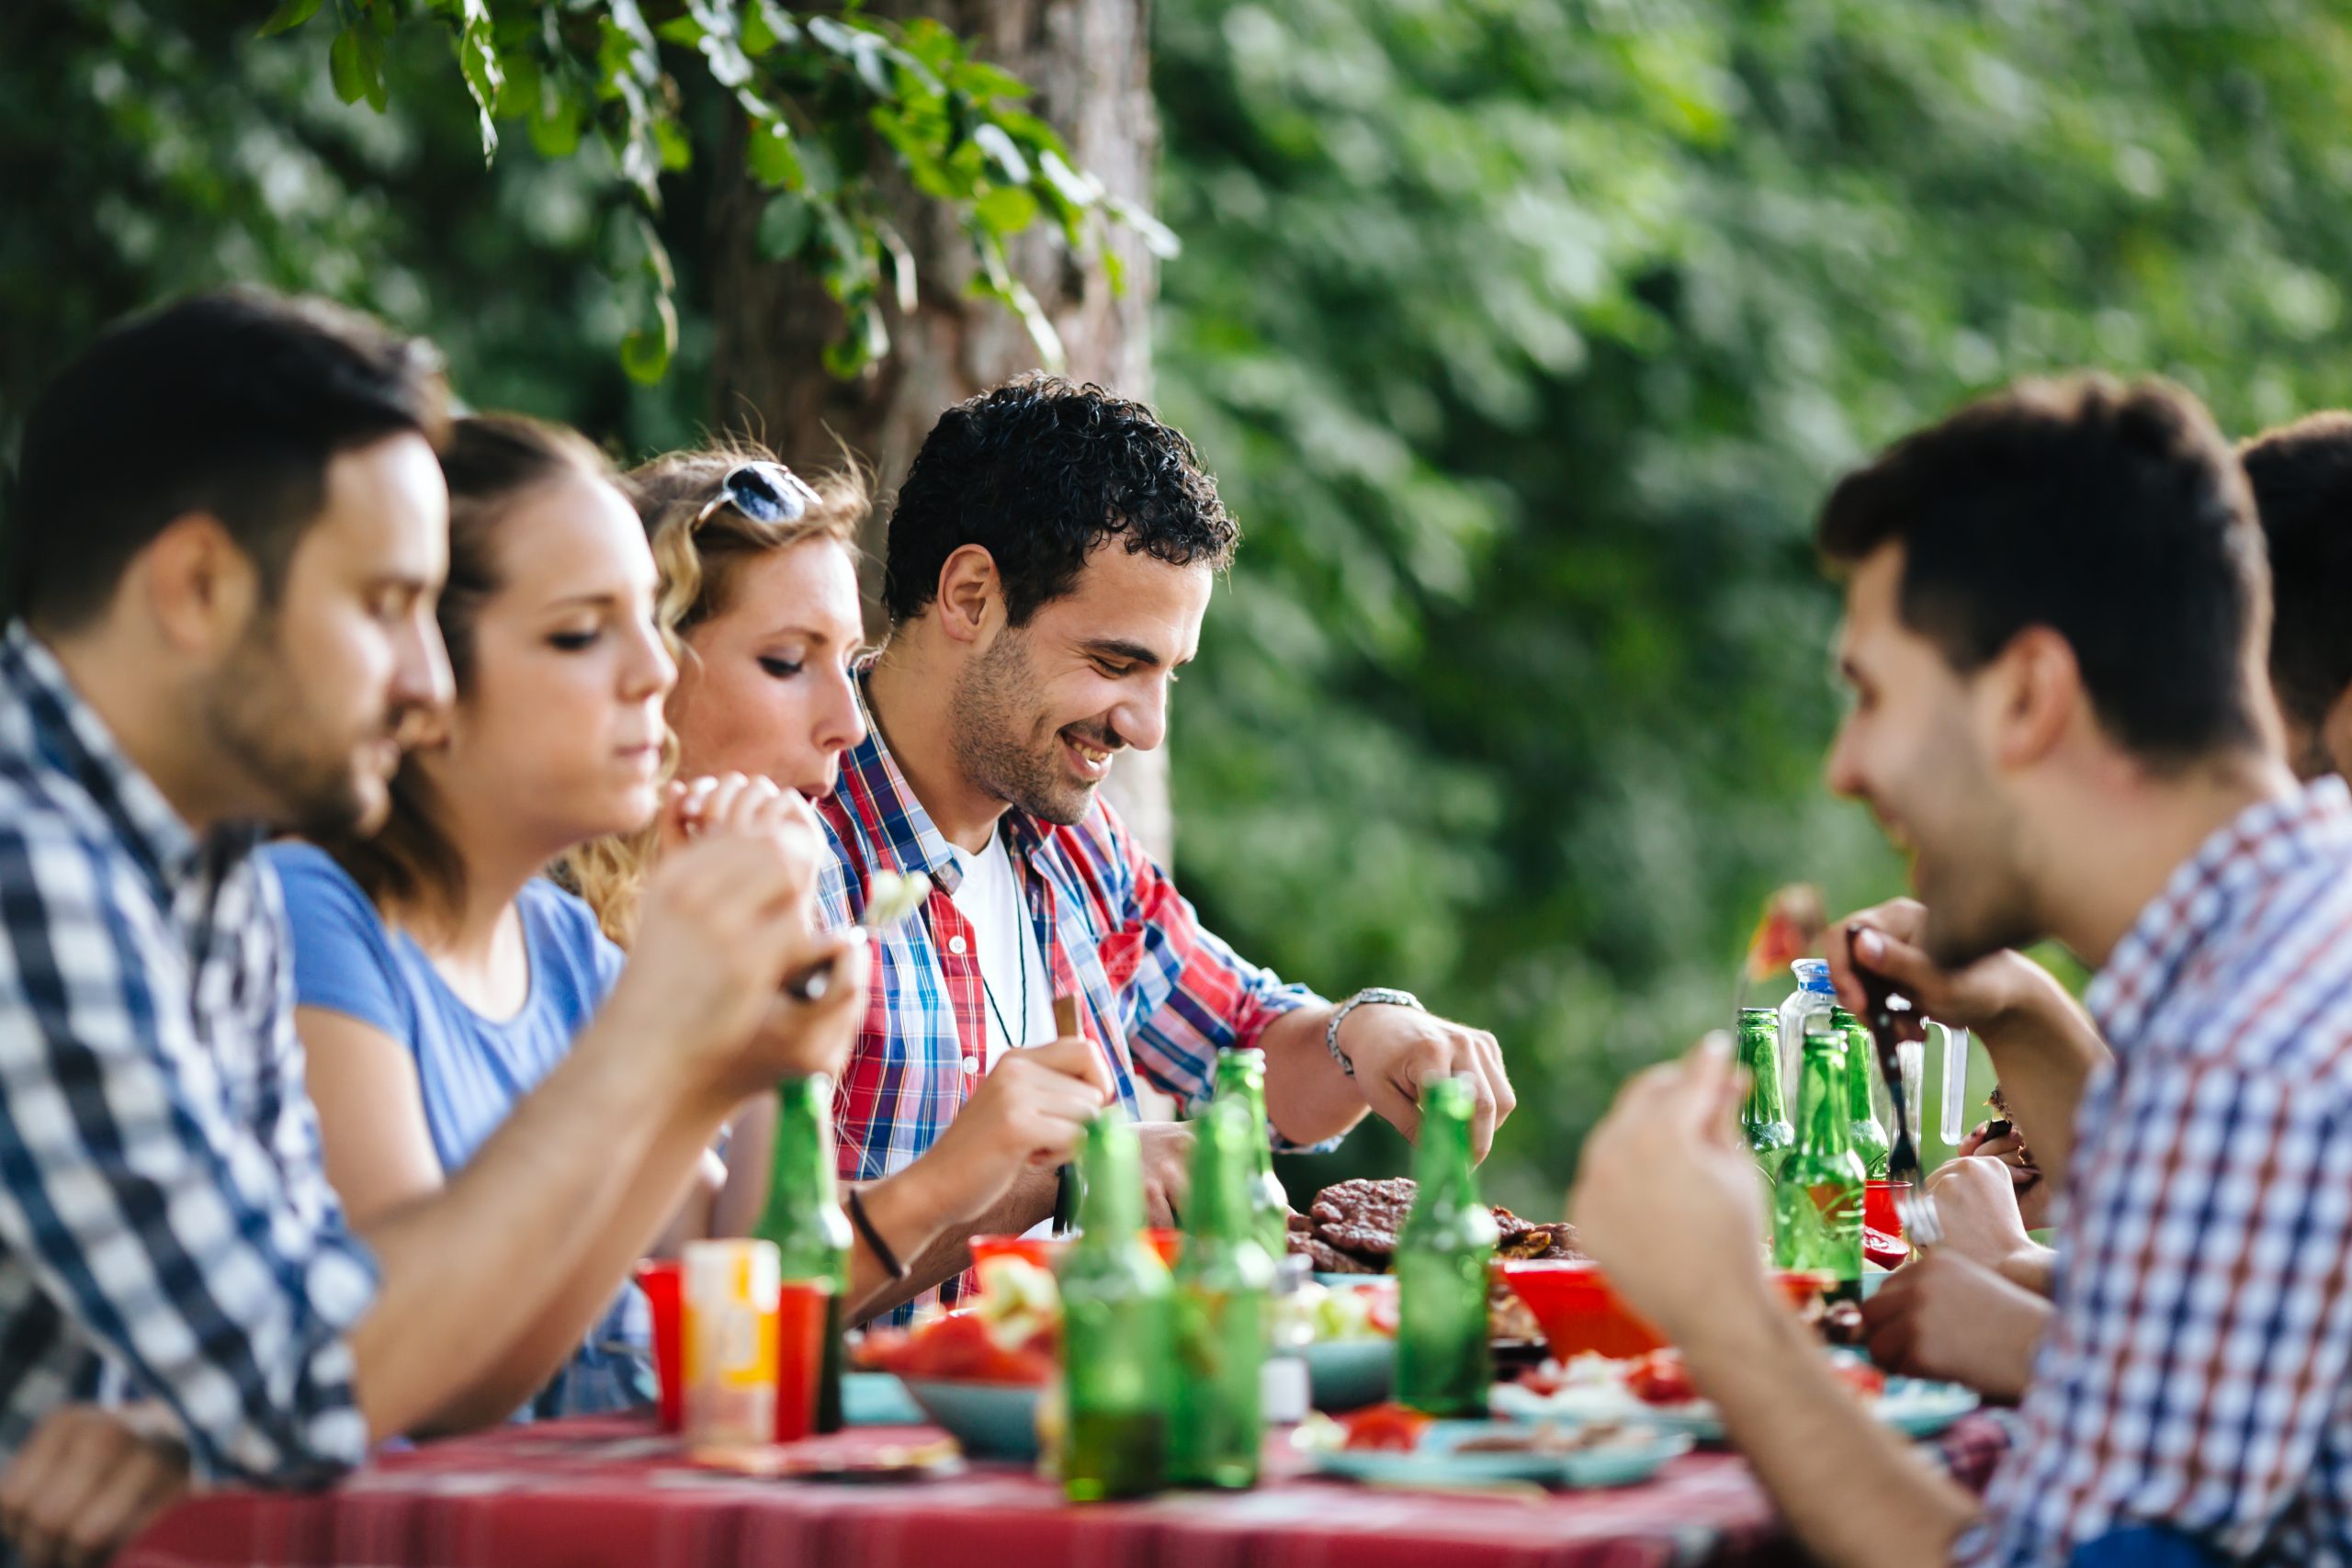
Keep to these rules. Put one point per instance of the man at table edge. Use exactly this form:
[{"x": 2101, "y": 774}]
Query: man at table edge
[
  {"x": 2055, "y": 612},
  {"x": 1974, "y": 1311},
  {"x": 1050, "y": 558}
]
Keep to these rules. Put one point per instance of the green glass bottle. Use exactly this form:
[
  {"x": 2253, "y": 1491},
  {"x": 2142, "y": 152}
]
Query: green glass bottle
[
  {"x": 1861, "y": 1075},
  {"x": 804, "y": 1218},
  {"x": 1445, "y": 1257},
  {"x": 1224, "y": 1285},
  {"x": 1118, "y": 1370},
  {"x": 1818, "y": 1206},
  {"x": 1764, "y": 1119},
  {"x": 1241, "y": 1075}
]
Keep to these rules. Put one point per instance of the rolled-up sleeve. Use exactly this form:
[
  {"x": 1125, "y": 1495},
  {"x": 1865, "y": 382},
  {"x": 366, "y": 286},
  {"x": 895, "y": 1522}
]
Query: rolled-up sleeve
[
  {"x": 1191, "y": 995},
  {"x": 190, "y": 1239}
]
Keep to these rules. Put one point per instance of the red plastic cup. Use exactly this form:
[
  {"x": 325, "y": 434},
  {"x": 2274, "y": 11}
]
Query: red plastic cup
[
  {"x": 1880, "y": 1213},
  {"x": 664, "y": 1281},
  {"x": 800, "y": 1313},
  {"x": 1043, "y": 1251}
]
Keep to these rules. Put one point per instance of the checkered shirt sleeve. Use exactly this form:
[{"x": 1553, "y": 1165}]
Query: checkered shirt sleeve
[{"x": 185, "y": 1233}]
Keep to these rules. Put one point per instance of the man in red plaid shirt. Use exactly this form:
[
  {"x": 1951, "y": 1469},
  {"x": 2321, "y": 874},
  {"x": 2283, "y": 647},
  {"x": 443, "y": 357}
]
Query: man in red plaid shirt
[{"x": 1050, "y": 558}]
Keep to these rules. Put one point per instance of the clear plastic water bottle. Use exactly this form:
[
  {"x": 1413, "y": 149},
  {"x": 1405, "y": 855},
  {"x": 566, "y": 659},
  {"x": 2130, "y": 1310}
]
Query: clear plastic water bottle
[{"x": 1806, "y": 1010}]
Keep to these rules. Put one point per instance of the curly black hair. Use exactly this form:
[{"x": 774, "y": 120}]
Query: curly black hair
[{"x": 1038, "y": 473}]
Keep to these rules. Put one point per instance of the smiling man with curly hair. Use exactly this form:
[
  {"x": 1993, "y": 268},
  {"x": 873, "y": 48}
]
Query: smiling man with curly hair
[{"x": 1050, "y": 558}]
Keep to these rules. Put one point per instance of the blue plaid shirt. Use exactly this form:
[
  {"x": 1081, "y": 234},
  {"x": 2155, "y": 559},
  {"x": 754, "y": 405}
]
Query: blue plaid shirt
[
  {"x": 2196, "y": 1379},
  {"x": 165, "y": 1222}
]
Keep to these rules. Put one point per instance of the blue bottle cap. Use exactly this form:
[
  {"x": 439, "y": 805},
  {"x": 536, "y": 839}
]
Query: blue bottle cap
[{"x": 1813, "y": 975}]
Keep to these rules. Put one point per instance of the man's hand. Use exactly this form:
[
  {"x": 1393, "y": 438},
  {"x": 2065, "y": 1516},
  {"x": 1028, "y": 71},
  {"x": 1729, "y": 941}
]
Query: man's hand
[
  {"x": 1167, "y": 1170},
  {"x": 1397, "y": 1049},
  {"x": 1978, "y": 1207},
  {"x": 1666, "y": 1198},
  {"x": 2025, "y": 1176},
  {"x": 1979, "y": 997},
  {"x": 87, "y": 1480},
  {"x": 1030, "y": 1112},
  {"x": 1946, "y": 1316}
]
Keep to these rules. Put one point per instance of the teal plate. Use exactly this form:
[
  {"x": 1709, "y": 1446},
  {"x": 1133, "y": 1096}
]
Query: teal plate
[
  {"x": 1917, "y": 1408},
  {"x": 1635, "y": 1458},
  {"x": 1348, "y": 1375},
  {"x": 877, "y": 1399},
  {"x": 1350, "y": 1281},
  {"x": 990, "y": 1420}
]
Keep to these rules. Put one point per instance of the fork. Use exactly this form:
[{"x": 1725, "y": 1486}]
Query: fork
[
  {"x": 1922, "y": 1227},
  {"x": 887, "y": 903}
]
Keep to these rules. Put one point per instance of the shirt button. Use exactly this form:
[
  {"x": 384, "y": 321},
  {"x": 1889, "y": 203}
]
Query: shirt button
[
  {"x": 956, "y": 944},
  {"x": 971, "y": 1064}
]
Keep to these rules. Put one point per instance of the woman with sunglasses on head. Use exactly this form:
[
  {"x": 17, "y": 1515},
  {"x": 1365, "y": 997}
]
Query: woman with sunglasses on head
[
  {"x": 439, "y": 976},
  {"x": 759, "y": 596}
]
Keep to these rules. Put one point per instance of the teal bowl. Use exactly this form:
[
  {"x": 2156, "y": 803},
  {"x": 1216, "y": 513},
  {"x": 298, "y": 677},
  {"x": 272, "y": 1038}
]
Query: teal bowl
[
  {"x": 991, "y": 1420},
  {"x": 1348, "y": 1375},
  {"x": 877, "y": 1399}
]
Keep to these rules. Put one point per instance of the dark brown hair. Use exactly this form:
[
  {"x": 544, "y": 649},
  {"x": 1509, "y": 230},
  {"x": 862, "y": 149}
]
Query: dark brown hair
[
  {"x": 236, "y": 402},
  {"x": 2114, "y": 514},
  {"x": 492, "y": 462},
  {"x": 2302, "y": 476}
]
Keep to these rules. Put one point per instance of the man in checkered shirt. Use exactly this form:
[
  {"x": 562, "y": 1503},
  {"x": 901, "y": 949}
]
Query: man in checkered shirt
[
  {"x": 2057, "y": 605},
  {"x": 230, "y": 528}
]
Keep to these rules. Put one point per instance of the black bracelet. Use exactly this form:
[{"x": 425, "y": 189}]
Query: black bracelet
[{"x": 882, "y": 1253}]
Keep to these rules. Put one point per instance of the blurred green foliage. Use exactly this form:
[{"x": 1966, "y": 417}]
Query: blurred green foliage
[{"x": 1524, "y": 334}]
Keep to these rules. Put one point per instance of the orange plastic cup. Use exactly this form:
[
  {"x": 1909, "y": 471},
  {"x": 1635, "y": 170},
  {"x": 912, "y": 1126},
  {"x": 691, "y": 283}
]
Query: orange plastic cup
[
  {"x": 1042, "y": 1250},
  {"x": 1167, "y": 1243},
  {"x": 800, "y": 1313},
  {"x": 663, "y": 1280}
]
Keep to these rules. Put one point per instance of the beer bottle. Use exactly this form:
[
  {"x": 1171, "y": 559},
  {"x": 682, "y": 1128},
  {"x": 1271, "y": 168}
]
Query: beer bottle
[
  {"x": 1764, "y": 1119},
  {"x": 1241, "y": 1075},
  {"x": 1861, "y": 1086},
  {"x": 1446, "y": 1255},
  {"x": 1224, "y": 1282},
  {"x": 804, "y": 1218},
  {"x": 1818, "y": 1206},
  {"x": 1117, "y": 1369}
]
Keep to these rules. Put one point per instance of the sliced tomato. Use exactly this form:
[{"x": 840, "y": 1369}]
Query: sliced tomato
[
  {"x": 1886, "y": 1251},
  {"x": 1380, "y": 1315},
  {"x": 1861, "y": 1377},
  {"x": 1391, "y": 1428},
  {"x": 1660, "y": 1378}
]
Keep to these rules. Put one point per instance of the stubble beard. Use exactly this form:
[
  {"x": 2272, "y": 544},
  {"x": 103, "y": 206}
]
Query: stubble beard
[
  {"x": 255, "y": 716},
  {"x": 994, "y": 709}
]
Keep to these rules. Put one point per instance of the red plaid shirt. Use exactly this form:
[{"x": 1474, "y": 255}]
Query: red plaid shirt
[{"x": 1160, "y": 994}]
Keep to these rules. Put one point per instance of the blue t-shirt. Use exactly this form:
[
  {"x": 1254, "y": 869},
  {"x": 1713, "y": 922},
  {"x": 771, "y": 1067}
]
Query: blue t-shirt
[{"x": 471, "y": 1070}]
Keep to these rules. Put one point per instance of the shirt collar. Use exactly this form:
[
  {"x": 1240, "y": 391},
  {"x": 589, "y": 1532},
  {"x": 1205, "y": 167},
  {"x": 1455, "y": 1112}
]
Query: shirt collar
[
  {"x": 873, "y": 785},
  {"x": 2261, "y": 843},
  {"x": 67, "y": 735}
]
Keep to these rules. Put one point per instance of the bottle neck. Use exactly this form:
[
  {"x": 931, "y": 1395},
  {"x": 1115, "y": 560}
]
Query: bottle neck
[
  {"x": 1760, "y": 1055},
  {"x": 1826, "y": 1127},
  {"x": 1219, "y": 1204},
  {"x": 803, "y": 1173},
  {"x": 1111, "y": 1212},
  {"x": 1442, "y": 1166}
]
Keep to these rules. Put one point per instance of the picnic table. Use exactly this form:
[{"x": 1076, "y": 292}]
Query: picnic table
[{"x": 612, "y": 1490}]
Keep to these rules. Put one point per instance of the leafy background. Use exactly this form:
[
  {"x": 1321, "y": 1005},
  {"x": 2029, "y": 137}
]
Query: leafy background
[{"x": 1524, "y": 335}]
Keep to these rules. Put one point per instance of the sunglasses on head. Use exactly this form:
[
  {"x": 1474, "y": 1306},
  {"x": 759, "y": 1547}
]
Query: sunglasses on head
[{"x": 764, "y": 492}]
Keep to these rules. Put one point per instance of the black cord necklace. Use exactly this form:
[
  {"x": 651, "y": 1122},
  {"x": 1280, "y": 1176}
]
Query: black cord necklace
[{"x": 1021, "y": 942}]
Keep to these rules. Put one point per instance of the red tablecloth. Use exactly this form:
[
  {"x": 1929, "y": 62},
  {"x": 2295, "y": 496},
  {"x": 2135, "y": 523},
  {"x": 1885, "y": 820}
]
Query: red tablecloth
[{"x": 587, "y": 1493}]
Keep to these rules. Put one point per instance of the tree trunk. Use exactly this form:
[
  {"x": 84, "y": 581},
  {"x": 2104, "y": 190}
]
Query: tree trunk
[{"x": 1089, "y": 61}]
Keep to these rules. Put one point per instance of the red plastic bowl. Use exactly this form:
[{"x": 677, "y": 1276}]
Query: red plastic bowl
[{"x": 1581, "y": 1315}]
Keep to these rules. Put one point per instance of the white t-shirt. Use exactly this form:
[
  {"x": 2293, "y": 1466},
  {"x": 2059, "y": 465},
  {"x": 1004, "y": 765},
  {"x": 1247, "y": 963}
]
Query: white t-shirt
[{"x": 1006, "y": 939}]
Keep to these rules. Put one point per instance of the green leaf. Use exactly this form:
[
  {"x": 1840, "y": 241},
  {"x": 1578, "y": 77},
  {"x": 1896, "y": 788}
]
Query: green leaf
[
  {"x": 775, "y": 160},
  {"x": 646, "y": 353},
  {"x": 677, "y": 152},
  {"x": 290, "y": 14},
  {"x": 765, "y": 25},
  {"x": 987, "y": 83},
  {"x": 555, "y": 127},
  {"x": 352, "y": 64},
  {"x": 785, "y": 226},
  {"x": 1157, "y": 237},
  {"x": 684, "y": 31},
  {"x": 1008, "y": 209},
  {"x": 993, "y": 140},
  {"x": 1078, "y": 190},
  {"x": 485, "y": 78}
]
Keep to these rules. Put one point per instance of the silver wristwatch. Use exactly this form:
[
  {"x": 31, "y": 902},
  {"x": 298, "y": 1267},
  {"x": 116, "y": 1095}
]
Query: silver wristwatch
[{"x": 1380, "y": 994}]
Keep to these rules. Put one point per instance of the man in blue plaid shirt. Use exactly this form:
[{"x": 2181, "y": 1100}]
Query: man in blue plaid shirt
[
  {"x": 230, "y": 630},
  {"x": 2055, "y": 619}
]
